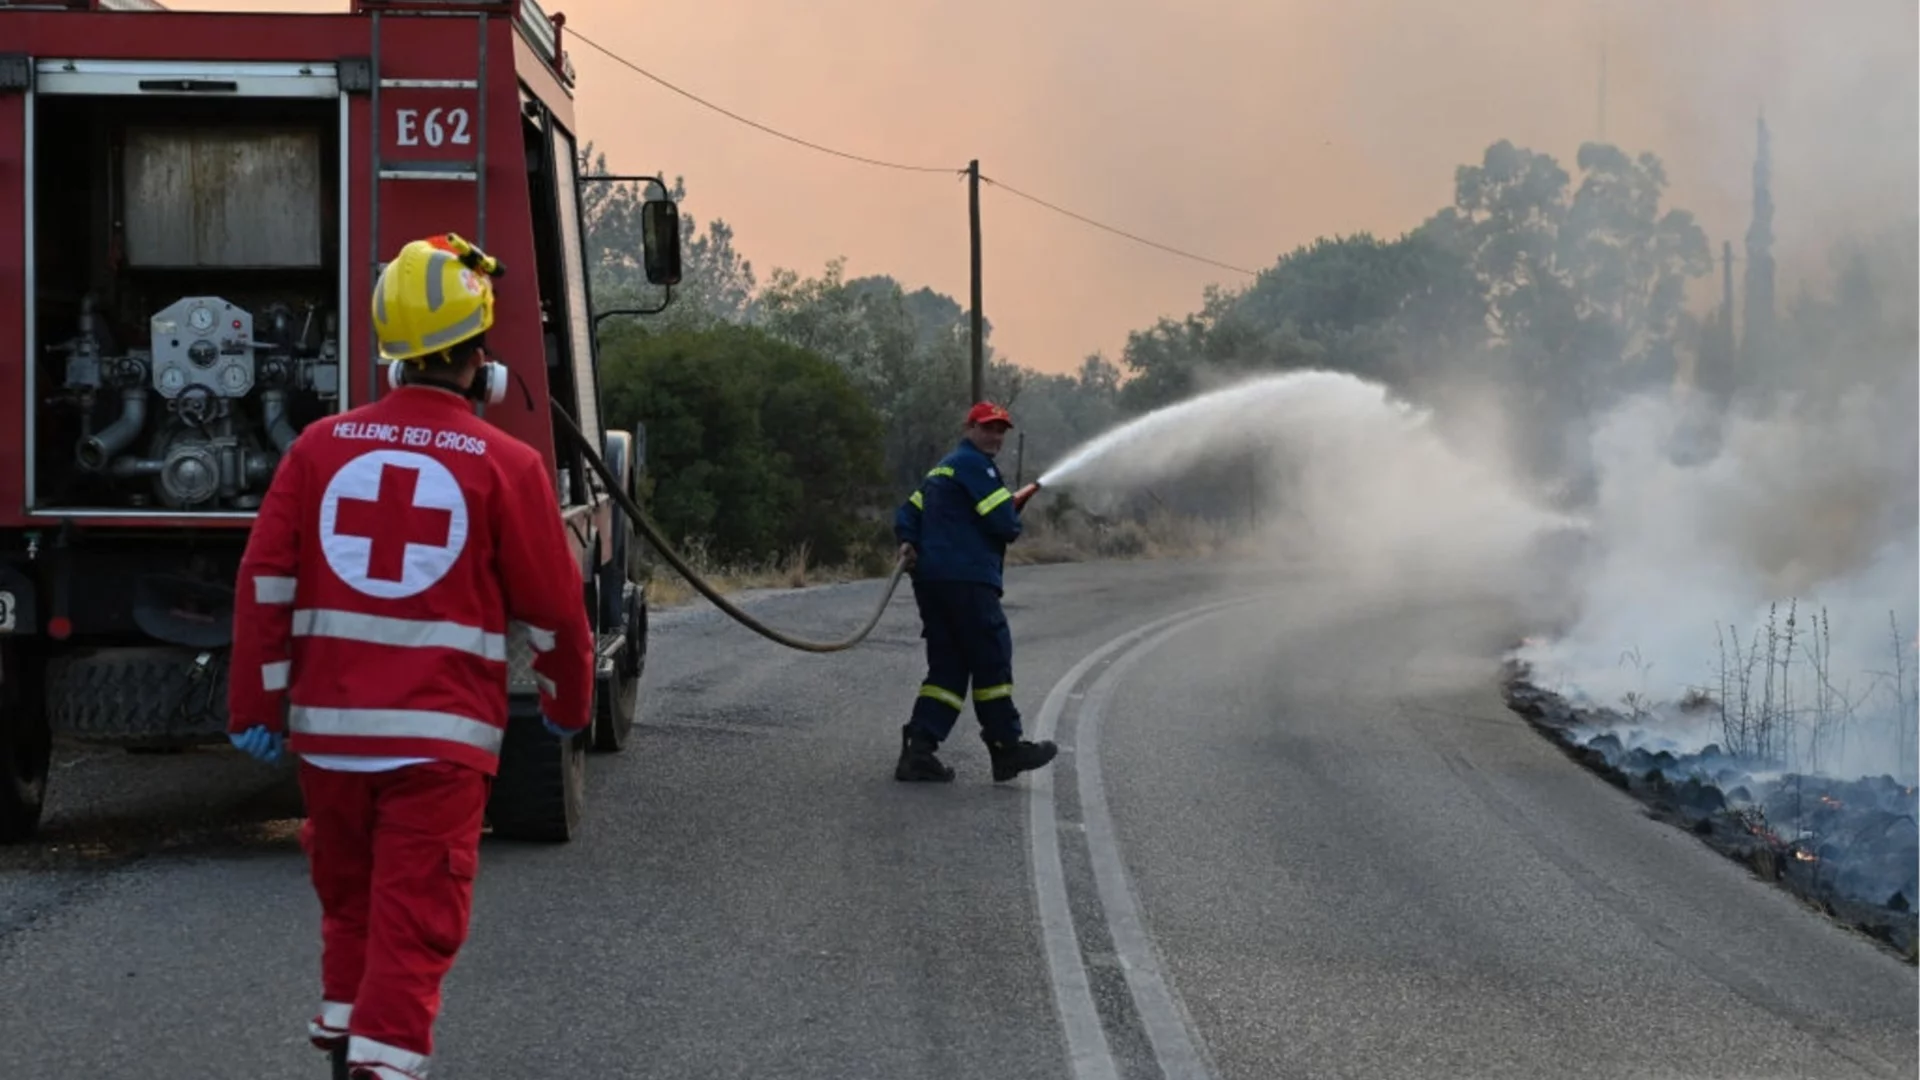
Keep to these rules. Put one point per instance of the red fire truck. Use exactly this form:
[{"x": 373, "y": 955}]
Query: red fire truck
[{"x": 193, "y": 208}]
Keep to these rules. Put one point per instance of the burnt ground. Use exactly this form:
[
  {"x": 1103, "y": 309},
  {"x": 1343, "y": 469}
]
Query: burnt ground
[{"x": 1847, "y": 848}]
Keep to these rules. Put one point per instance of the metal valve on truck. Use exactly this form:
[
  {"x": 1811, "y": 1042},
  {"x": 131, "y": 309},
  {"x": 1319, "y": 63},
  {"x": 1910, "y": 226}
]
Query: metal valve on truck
[{"x": 198, "y": 420}]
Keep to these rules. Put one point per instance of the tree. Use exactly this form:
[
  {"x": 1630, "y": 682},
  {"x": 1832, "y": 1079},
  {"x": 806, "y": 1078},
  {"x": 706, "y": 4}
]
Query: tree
[
  {"x": 1758, "y": 335},
  {"x": 1169, "y": 359},
  {"x": 755, "y": 446},
  {"x": 1629, "y": 263},
  {"x": 907, "y": 352},
  {"x": 1391, "y": 311},
  {"x": 1716, "y": 356},
  {"x": 1585, "y": 292}
]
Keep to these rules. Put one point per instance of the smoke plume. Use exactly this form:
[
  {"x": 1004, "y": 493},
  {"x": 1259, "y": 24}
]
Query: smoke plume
[{"x": 1802, "y": 502}]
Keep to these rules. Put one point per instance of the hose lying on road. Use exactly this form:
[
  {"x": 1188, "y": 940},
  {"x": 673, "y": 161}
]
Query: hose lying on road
[{"x": 632, "y": 510}]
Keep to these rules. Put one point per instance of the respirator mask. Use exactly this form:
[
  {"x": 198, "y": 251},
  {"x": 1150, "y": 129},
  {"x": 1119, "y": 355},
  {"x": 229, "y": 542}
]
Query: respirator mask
[{"x": 489, "y": 383}]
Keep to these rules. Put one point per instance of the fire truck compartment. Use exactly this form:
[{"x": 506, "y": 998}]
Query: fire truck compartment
[{"x": 185, "y": 282}]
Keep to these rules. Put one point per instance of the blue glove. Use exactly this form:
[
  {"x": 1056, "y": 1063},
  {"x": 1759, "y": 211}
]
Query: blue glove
[
  {"x": 557, "y": 730},
  {"x": 264, "y": 745}
]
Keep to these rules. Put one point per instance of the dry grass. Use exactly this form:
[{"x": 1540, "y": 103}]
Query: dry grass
[
  {"x": 1769, "y": 715},
  {"x": 794, "y": 570}
]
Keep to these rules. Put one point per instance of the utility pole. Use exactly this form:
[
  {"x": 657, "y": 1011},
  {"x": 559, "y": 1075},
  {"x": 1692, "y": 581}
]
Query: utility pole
[{"x": 973, "y": 217}]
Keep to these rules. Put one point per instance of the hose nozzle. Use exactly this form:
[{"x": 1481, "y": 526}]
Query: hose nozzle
[{"x": 1020, "y": 497}]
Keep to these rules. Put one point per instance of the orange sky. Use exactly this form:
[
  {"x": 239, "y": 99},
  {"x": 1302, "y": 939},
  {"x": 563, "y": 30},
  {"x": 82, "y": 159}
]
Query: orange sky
[{"x": 1234, "y": 128}]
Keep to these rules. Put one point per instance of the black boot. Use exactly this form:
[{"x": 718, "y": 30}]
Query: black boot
[
  {"x": 339, "y": 1057},
  {"x": 917, "y": 761},
  {"x": 1010, "y": 759}
]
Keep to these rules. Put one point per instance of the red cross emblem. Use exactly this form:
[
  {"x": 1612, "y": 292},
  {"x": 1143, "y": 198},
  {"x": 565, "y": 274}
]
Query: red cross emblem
[{"x": 391, "y": 521}]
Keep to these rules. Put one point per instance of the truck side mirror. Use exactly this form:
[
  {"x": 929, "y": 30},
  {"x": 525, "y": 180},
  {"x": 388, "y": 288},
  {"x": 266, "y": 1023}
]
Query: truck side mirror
[{"x": 660, "y": 236}]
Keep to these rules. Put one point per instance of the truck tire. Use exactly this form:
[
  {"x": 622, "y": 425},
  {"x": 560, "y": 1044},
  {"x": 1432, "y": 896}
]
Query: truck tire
[
  {"x": 623, "y": 602},
  {"x": 26, "y": 743},
  {"x": 146, "y": 696},
  {"x": 613, "y": 719},
  {"x": 540, "y": 792}
]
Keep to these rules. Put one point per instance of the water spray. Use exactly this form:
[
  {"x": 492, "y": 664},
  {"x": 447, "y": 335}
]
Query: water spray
[
  {"x": 1254, "y": 413},
  {"x": 1358, "y": 479}
]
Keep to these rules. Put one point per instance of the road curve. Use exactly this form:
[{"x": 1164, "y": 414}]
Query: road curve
[
  {"x": 1291, "y": 836},
  {"x": 1354, "y": 862}
]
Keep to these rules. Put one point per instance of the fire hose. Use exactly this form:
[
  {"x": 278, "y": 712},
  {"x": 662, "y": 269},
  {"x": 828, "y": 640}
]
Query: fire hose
[
  {"x": 639, "y": 518},
  {"x": 632, "y": 509}
]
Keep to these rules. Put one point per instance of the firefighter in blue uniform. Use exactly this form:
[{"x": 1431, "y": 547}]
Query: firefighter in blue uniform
[{"x": 953, "y": 533}]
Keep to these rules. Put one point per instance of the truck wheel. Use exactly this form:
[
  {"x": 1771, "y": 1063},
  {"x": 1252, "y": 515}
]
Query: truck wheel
[
  {"x": 622, "y": 608},
  {"x": 620, "y": 699},
  {"x": 147, "y": 696},
  {"x": 541, "y": 789},
  {"x": 26, "y": 744}
]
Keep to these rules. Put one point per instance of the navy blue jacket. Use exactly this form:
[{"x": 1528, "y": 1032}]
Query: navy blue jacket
[{"x": 960, "y": 520}]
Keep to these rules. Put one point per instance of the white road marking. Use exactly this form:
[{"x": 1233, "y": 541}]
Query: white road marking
[
  {"x": 1087, "y": 1050},
  {"x": 1161, "y": 1015}
]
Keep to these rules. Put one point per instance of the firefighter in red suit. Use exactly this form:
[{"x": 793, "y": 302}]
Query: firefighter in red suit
[{"x": 397, "y": 543}]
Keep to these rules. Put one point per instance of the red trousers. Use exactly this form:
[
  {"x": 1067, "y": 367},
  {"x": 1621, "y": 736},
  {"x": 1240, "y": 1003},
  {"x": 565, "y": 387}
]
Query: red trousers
[{"x": 393, "y": 856}]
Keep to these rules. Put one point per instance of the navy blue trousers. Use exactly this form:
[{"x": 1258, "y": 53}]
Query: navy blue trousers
[{"x": 968, "y": 641}]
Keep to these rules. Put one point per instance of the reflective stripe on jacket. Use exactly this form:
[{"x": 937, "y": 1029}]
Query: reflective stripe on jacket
[
  {"x": 960, "y": 520},
  {"x": 395, "y": 546}
]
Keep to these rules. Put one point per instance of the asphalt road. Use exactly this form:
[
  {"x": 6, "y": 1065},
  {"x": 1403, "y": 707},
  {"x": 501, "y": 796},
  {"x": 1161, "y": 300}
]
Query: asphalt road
[{"x": 1293, "y": 836}]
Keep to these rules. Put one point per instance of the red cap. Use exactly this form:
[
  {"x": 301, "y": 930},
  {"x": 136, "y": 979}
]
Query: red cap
[{"x": 986, "y": 412}]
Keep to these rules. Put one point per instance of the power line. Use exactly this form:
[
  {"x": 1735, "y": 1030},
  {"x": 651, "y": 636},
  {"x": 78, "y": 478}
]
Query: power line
[
  {"x": 1003, "y": 186},
  {"x": 1009, "y": 189},
  {"x": 576, "y": 35}
]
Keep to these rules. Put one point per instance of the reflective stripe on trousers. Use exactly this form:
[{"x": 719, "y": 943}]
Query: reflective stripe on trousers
[
  {"x": 968, "y": 642},
  {"x": 942, "y": 695}
]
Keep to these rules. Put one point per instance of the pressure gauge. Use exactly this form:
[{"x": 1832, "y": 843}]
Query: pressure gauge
[
  {"x": 233, "y": 379},
  {"x": 172, "y": 380},
  {"x": 200, "y": 318}
]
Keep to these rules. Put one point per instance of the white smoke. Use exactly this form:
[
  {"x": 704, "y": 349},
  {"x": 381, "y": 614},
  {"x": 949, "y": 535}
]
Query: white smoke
[{"x": 1803, "y": 509}]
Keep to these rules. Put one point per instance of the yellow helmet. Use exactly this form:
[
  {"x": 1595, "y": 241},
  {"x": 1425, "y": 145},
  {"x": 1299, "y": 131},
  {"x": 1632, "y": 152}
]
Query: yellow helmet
[{"x": 434, "y": 295}]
